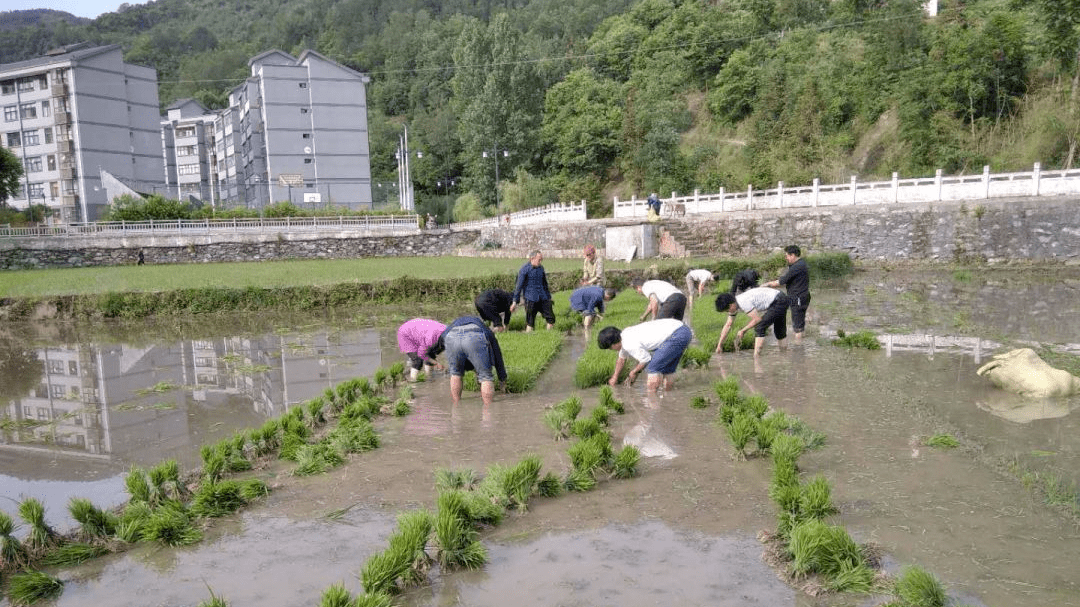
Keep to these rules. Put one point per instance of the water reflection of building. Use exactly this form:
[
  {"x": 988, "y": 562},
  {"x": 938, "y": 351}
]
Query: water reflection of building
[{"x": 142, "y": 404}]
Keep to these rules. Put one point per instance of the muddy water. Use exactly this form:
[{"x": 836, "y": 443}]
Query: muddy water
[{"x": 683, "y": 532}]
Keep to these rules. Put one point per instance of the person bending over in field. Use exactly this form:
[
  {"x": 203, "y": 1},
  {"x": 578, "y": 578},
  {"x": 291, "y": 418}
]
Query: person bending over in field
[
  {"x": 590, "y": 302},
  {"x": 494, "y": 306},
  {"x": 471, "y": 346},
  {"x": 657, "y": 346},
  {"x": 696, "y": 281},
  {"x": 765, "y": 306},
  {"x": 415, "y": 338},
  {"x": 665, "y": 300}
]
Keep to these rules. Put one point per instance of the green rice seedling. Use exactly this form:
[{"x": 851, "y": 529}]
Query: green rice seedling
[
  {"x": 42, "y": 537},
  {"x": 520, "y": 481},
  {"x": 33, "y": 586},
  {"x": 564, "y": 324},
  {"x": 727, "y": 391},
  {"x": 130, "y": 526},
  {"x": 595, "y": 367},
  {"x": 253, "y": 489},
  {"x": 755, "y": 405},
  {"x": 214, "y": 500},
  {"x": 381, "y": 571},
  {"x": 345, "y": 393},
  {"x": 740, "y": 432},
  {"x": 572, "y": 407},
  {"x": 484, "y": 506},
  {"x": 397, "y": 372},
  {"x": 13, "y": 554},
  {"x": 457, "y": 547},
  {"x": 138, "y": 485},
  {"x": 579, "y": 480},
  {"x": 337, "y": 596},
  {"x": 601, "y": 415},
  {"x": 764, "y": 434},
  {"x": 171, "y": 526},
  {"x": 828, "y": 550},
  {"x": 373, "y": 599},
  {"x": 354, "y": 437},
  {"x": 786, "y": 448},
  {"x": 695, "y": 357},
  {"x": 586, "y": 456},
  {"x": 453, "y": 501},
  {"x": 401, "y": 408},
  {"x": 413, "y": 532},
  {"x": 852, "y": 577},
  {"x": 626, "y": 462},
  {"x": 455, "y": 479},
  {"x": 815, "y": 498},
  {"x": 312, "y": 459},
  {"x": 778, "y": 419},
  {"x": 405, "y": 393},
  {"x": 916, "y": 587},
  {"x": 558, "y": 422},
  {"x": 493, "y": 488},
  {"x": 726, "y": 414},
  {"x": 213, "y": 466},
  {"x": 785, "y": 494},
  {"x": 808, "y": 437},
  {"x": 214, "y": 601},
  {"x": 381, "y": 377},
  {"x": 400, "y": 564},
  {"x": 165, "y": 481},
  {"x": 95, "y": 523},
  {"x": 316, "y": 412},
  {"x": 607, "y": 400},
  {"x": 859, "y": 339},
  {"x": 549, "y": 486},
  {"x": 70, "y": 555},
  {"x": 700, "y": 402},
  {"x": 584, "y": 427},
  {"x": 365, "y": 387},
  {"x": 942, "y": 441}
]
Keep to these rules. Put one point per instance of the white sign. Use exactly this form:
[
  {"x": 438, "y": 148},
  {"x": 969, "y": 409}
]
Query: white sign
[
  {"x": 312, "y": 197},
  {"x": 290, "y": 179}
]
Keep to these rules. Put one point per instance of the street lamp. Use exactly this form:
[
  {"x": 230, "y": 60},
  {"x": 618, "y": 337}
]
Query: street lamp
[
  {"x": 446, "y": 186},
  {"x": 408, "y": 203},
  {"x": 495, "y": 153}
]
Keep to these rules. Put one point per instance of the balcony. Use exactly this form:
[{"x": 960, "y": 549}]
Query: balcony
[
  {"x": 62, "y": 118},
  {"x": 60, "y": 89},
  {"x": 68, "y": 173},
  {"x": 65, "y": 146}
]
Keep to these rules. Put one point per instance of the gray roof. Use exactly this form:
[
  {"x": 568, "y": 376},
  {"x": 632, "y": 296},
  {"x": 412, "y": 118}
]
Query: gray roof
[{"x": 71, "y": 52}]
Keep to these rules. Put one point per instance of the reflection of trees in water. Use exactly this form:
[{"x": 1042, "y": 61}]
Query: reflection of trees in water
[{"x": 20, "y": 368}]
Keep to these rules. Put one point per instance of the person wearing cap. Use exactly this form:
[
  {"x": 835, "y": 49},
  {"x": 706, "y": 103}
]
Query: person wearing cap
[
  {"x": 593, "y": 269},
  {"x": 696, "y": 281},
  {"x": 415, "y": 339}
]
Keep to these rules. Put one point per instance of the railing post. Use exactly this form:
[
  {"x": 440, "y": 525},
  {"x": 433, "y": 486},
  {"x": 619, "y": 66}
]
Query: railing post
[
  {"x": 986, "y": 181},
  {"x": 749, "y": 197},
  {"x": 697, "y": 200},
  {"x": 1036, "y": 174},
  {"x": 895, "y": 186},
  {"x": 854, "y": 189},
  {"x": 780, "y": 193},
  {"x": 721, "y": 199},
  {"x": 937, "y": 182},
  {"x": 817, "y": 189}
]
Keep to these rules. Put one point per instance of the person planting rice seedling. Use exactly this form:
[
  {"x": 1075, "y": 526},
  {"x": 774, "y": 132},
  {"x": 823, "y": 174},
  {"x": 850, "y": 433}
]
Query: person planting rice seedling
[
  {"x": 657, "y": 345},
  {"x": 495, "y": 306},
  {"x": 765, "y": 306},
  {"x": 590, "y": 302},
  {"x": 697, "y": 280},
  {"x": 471, "y": 346},
  {"x": 415, "y": 338},
  {"x": 665, "y": 299}
]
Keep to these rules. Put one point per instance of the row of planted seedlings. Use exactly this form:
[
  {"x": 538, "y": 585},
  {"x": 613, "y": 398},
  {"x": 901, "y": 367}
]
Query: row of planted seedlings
[
  {"x": 467, "y": 504},
  {"x": 819, "y": 555},
  {"x": 172, "y": 509}
]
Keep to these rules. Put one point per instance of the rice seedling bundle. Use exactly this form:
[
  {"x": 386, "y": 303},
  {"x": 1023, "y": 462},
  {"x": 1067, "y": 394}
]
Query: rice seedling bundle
[
  {"x": 130, "y": 526},
  {"x": 454, "y": 479},
  {"x": 600, "y": 415},
  {"x": 942, "y": 441},
  {"x": 579, "y": 480},
  {"x": 549, "y": 486},
  {"x": 727, "y": 391},
  {"x": 12, "y": 553},
  {"x": 291, "y": 445},
  {"x": 607, "y": 400},
  {"x": 764, "y": 434},
  {"x": 584, "y": 427},
  {"x": 381, "y": 377},
  {"x": 33, "y": 586},
  {"x": 586, "y": 456},
  {"x": 492, "y": 488},
  {"x": 171, "y": 526},
  {"x": 859, "y": 339},
  {"x": 823, "y": 549},
  {"x": 564, "y": 324},
  {"x": 405, "y": 393},
  {"x": 852, "y": 577},
  {"x": 94, "y": 522},
  {"x": 699, "y": 402},
  {"x": 695, "y": 357},
  {"x": 316, "y": 408},
  {"x": 354, "y": 436},
  {"x": 457, "y": 544},
  {"x": 786, "y": 449},
  {"x": 373, "y": 599},
  {"x": 363, "y": 385},
  {"x": 397, "y": 371},
  {"x": 626, "y": 462},
  {"x": 815, "y": 498},
  {"x": 165, "y": 482},
  {"x": 381, "y": 572},
  {"x": 214, "y": 601},
  {"x": 214, "y": 466},
  {"x": 336, "y": 596},
  {"x": 558, "y": 422},
  {"x": 915, "y": 587},
  {"x": 138, "y": 485},
  {"x": 595, "y": 367},
  {"x": 214, "y": 500},
  {"x": 402, "y": 407},
  {"x": 484, "y": 507},
  {"x": 741, "y": 431},
  {"x": 70, "y": 555},
  {"x": 42, "y": 536},
  {"x": 571, "y": 406},
  {"x": 520, "y": 481},
  {"x": 526, "y": 355},
  {"x": 726, "y": 414},
  {"x": 755, "y": 405}
]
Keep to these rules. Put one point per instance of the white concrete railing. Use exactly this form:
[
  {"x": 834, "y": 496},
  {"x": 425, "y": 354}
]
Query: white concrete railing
[
  {"x": 923, "y": 189},
  {"x": 363, "y": 223},
  {"x": 559, "y": 211}
]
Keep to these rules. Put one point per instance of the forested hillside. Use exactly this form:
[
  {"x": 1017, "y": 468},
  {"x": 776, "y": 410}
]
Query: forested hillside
[{"x": 591, "y": 98}]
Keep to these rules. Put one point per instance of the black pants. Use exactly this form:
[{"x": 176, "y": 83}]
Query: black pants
[
  {"x": 673, "y": 307},
  {"x": 489, "y": 312},
  {"x": 799, "y": 304},
  {"x": 775, "y": 315},
  {"x": 544, "y": 307}
]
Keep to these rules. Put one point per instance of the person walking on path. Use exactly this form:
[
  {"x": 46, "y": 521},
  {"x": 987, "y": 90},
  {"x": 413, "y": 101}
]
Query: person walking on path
[
  {"x": 665, "y": 300},
  {"x": 471, "y": 346},
  {"x": 494, "y": 306},
  {"x": 532, "y": 286},
  {"x": 765, "y": 306},
  {"x": 657, "y": 346},
  {"x": 593, "y": 269},
  {"x": 590, "y": 302},
  {"x": 696, "y": 281},
  {"x": 415, "y": 338},
  {"x": 797, "y": 282}
]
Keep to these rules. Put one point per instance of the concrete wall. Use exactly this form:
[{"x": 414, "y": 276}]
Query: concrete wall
[{"x": 1039, "y": 230}]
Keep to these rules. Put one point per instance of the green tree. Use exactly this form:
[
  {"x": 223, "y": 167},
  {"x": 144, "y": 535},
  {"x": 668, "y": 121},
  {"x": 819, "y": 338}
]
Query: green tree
[
  {"x": 582, "y": 118},
  {"x": 11, "y": 172},
  {"x": 133, "y": 208}
]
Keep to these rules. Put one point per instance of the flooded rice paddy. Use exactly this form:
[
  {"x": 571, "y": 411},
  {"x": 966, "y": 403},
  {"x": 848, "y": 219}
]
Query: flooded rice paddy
[{"x": 682, "y": 533}]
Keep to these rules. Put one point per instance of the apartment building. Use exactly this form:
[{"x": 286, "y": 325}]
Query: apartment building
[
  {"x": 72, "y": 113},
  {"x": 187, "y": 139},
  {"x": 296, "y": 130}
]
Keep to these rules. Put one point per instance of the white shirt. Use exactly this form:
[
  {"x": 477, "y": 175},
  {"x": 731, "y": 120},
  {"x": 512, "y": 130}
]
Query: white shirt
[
  {"x": 662, "y": 290},
  {"x": 699, "y": 275},
  {"x": 759, "y": 298},
  {"x": 639, "y": 341}
]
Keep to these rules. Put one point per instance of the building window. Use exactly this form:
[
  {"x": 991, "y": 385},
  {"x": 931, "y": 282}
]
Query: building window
[
  {"x": 37, "y": 190},
  {"x": 28, "y": 111},
  {"x": 57, "y": 392},
  {"x": 304, "y": 110},
  {"x": 7, "y": 87},
  {"x": 63, "y": 133},
  {"x": 11, "y": 113},
  {"x": 186, "y": 132},
  {"x": 45, "y": 109},
  {"x": 54, "y": 189},
  {"x": 307, "y": 161},
  {"x": 51, "y": 162},
  {"x": 62, "y": 75},
  {"x": 31, "y": 138},
  {"x": 188, "y": 169},
  {"x": 48, "y": 134},
  {"x": 185, "y": 150},
  {"x": 61, "y": 105},
  {"x": 33, "y": 164},
  {"x": 14, "y": 140},
  {"x": 73, "y": 367},
  {"x": 303, "y": 85},
  {"x": 306, "y": 135},
  {"x": 43, "y": 81},
  {"x": 26, "y": 85}
]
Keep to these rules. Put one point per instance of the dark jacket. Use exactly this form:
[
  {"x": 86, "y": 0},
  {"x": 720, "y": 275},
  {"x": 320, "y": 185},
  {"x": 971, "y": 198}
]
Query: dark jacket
[
  {"x": 796, "y": 279},
  {"x": 532, "y": 283},
  {"x": 496, "y": 351}
]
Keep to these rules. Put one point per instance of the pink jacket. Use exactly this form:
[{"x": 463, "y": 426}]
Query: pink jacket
[{"x": 419, "y": 334}]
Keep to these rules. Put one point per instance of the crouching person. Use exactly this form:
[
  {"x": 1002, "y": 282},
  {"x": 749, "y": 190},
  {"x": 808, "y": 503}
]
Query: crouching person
[
  {"x": 415, "y": 338},
  {"x": 471, "y": 346},
  {"x": 590, "y": 302},
  {"x": 657, "y": 345},
  {"x": 764, "y": 305}
]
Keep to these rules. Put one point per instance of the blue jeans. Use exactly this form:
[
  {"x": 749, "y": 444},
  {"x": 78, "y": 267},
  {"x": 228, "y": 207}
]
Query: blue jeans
[
  {"x": 467, "y": 349},
  {"x": 665, "y": 359}
]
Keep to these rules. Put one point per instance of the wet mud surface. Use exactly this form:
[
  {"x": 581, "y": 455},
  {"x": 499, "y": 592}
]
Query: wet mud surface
[{"x": 683, "y": 532}]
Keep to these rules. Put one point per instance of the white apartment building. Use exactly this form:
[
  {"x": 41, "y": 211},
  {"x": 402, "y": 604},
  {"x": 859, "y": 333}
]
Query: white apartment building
[
  {"x": 297, "y": 131},
  {"x": 73, "y": 113},
  {"x": 187, "y": 139}
]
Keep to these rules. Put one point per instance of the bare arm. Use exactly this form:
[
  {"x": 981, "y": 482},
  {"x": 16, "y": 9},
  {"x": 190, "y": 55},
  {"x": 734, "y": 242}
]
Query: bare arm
[
  {"x": 652, "y": 308},
  {"x": 724, "y": 332}
]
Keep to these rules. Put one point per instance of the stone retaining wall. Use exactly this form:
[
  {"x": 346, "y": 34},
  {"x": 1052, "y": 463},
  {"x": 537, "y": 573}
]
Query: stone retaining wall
[{"x": 995, "y": 231}]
